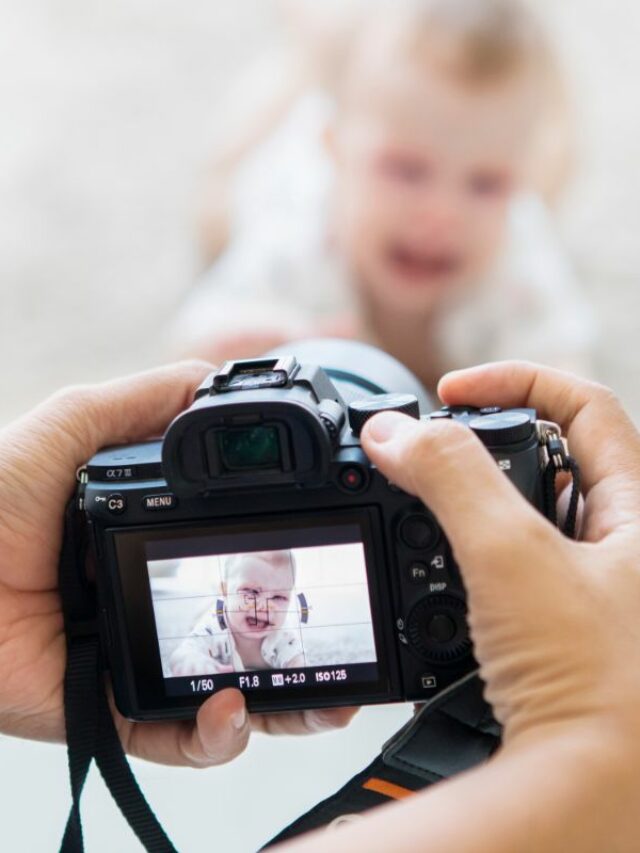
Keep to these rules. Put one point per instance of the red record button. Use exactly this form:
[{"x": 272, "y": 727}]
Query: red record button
[{"x": 352, "y": 479}]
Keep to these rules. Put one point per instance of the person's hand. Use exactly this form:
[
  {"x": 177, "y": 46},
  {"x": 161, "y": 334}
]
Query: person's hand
[
  {"x": 555, "y": 623},
  {"x": 39, "y": 455}
]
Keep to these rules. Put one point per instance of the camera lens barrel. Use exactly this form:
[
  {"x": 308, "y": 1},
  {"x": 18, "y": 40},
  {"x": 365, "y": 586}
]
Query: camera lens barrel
[{"x": 358, "y": 370}]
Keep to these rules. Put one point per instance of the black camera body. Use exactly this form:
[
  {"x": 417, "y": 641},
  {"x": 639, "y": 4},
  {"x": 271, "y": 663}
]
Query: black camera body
[{"x": 256, "y": 546}]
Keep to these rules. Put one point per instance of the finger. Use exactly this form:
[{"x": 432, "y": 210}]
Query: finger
[
  {"x": 123, "y": 410},
  {"x": 220, "y": 732},
  {"x": 67, "y": 429},
  {"x": 444, "y": 464},
  {"x": 601, "y": 436},
  {"x": 311, "y": 721}
]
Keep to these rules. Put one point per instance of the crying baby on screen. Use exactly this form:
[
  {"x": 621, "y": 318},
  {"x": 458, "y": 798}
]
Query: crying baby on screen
[{"x": 244, "y": 629}]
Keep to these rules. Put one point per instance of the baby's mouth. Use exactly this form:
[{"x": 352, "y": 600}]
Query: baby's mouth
[
  {"x": 420, "y": 265},
  {"x": 254, "y": 622}
]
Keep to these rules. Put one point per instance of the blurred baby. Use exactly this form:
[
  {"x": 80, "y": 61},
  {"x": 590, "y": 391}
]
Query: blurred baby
[
  {"x": 402, "y": 203},
  {"x": 245, "y": 630}
]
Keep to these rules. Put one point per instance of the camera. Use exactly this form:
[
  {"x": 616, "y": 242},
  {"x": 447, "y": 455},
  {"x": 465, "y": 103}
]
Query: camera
[{"x": 256, "y": 546}]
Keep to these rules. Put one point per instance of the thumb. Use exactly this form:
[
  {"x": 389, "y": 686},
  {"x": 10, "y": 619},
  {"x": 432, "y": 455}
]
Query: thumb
[{"x": 485, "y": 518}]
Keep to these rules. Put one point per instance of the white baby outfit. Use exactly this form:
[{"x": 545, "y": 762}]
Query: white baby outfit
[{"x": 210, "y": 638}]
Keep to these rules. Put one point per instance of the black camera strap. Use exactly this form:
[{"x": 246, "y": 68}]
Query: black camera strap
[
  {"x": 90, "y": 729},
  {"x": 452, "y": 732},
  {"x": 561, "y": 462}
]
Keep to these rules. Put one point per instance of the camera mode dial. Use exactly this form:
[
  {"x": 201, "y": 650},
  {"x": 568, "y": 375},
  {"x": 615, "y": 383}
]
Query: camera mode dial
[
  {"x": 497, "y": 429},
  {"x": 437, "y": 629},
  {"x": 361, "y": 410}
]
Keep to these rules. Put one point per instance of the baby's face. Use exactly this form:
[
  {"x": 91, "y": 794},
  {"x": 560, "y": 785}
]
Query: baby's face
[
  {"x": 425, "y": 171},
  {"x": 258, "y": 595}
]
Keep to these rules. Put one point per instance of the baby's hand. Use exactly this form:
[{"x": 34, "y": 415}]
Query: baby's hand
[{"x": 196, "y": 664}]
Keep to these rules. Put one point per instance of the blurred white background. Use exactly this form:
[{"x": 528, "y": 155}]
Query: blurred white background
[{"x": 108, "y": 113}]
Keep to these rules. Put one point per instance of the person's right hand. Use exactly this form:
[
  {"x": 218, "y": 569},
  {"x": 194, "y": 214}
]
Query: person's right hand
[{"x": 556, "y": 623}]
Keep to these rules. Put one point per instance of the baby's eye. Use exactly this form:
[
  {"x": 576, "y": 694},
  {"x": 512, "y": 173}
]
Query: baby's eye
[
  {"x": 408, "y": 170},
  {"x": 488, "y": 184}
]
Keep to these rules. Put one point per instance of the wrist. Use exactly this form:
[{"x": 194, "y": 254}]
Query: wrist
[{"x": 582, "y": 776}]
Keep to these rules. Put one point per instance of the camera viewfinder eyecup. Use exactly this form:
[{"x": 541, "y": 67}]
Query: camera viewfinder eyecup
[{"x": 255, "y": 423}]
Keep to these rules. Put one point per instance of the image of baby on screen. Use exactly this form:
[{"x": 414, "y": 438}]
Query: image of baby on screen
[
  {"x": 244, "y": 629},
  {"x": 222, "y": 613}
]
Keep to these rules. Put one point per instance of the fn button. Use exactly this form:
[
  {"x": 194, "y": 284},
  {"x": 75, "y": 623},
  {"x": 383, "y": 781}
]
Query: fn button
[{"x": 418, "y": 573}]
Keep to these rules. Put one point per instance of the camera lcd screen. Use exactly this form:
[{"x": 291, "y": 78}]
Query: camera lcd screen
[{"x": 281, "y": 609}]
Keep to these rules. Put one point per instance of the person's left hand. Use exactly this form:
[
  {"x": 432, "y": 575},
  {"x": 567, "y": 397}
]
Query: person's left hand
[{"x": 39, "y": 455}]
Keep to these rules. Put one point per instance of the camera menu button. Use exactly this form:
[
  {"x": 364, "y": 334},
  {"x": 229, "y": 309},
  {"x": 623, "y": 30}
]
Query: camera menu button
[{"x": 156, "y": 502}]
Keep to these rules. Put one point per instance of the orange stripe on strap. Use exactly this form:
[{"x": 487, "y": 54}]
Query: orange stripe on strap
[{"x": 388, "y": 789}]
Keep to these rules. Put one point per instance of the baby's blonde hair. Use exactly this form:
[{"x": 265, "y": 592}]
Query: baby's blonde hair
[
  {"x": 278, "y": 559},
  {"x": 477, "y": 43},
  {"x": 478, "y": 40}
]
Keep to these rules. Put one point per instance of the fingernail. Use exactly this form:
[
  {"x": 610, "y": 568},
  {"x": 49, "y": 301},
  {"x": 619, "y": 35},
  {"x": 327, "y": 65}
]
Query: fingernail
[
  {"x": 387, "y": 425},
  {"x": 239, "y": 718}
]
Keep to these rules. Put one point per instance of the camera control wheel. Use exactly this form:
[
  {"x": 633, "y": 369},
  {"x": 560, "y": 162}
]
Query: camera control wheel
[
  {"x": 361, "y": 410},
  {"x": 437, "y": 629},
  {"x": 498, "y": 428}
]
